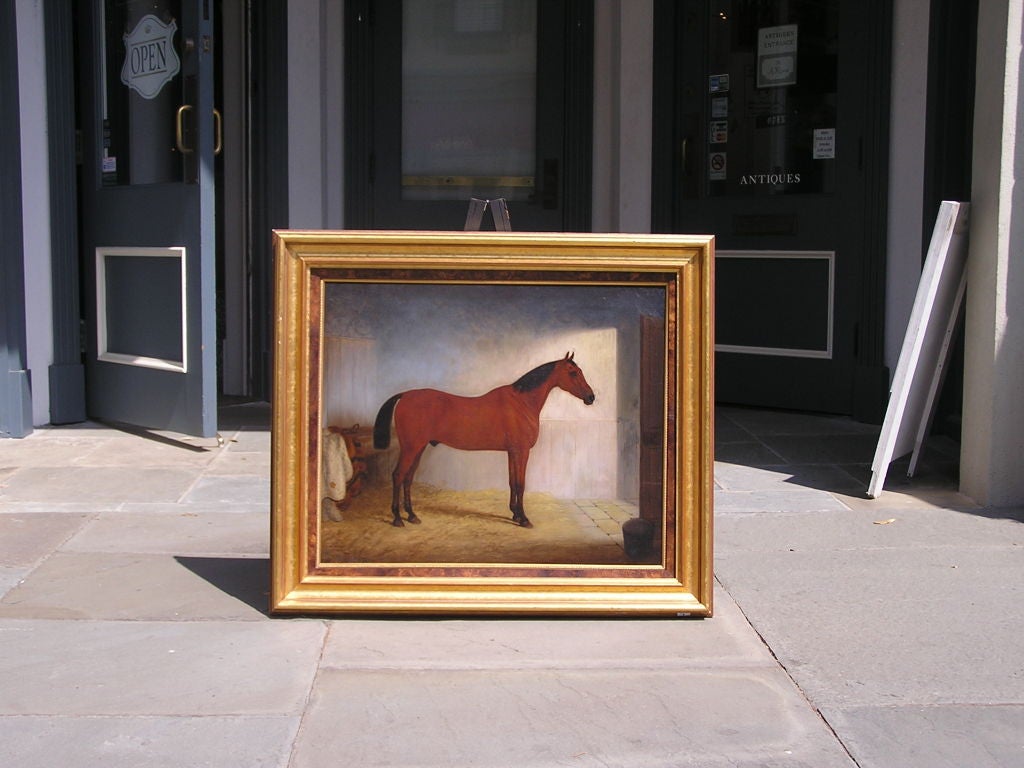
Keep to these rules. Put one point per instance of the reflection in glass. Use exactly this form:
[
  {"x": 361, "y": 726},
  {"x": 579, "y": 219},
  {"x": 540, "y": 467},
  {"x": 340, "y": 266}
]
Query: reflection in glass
[{"x": 468, "y": 99}]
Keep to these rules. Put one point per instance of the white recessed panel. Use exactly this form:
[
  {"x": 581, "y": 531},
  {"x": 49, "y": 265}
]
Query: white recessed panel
[{"x": 141, "y": 308}]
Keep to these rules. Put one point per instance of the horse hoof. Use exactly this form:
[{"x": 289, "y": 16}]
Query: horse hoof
[
  {"x": 525, "y": 523},
  {"x": 397, "y": 522},
  {"x": 414, "y": 520}
]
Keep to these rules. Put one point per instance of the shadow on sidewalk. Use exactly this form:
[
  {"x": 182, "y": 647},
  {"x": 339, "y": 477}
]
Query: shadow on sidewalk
[
  {"x": 826, "y": 453},
  {"x": 247, "y": 579}
]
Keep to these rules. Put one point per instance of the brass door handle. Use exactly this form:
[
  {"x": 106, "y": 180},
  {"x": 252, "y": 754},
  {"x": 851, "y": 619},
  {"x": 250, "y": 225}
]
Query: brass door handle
[
  {"x": 218, "y": 132},
  {"x": 179, "y": 129}
]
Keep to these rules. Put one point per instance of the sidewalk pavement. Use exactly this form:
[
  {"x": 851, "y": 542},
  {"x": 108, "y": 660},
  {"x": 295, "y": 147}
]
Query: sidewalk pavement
[{"x": 847, "y": 632}]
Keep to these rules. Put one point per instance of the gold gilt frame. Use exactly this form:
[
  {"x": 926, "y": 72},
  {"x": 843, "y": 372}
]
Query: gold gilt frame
[{"x": 619, "y": 492}]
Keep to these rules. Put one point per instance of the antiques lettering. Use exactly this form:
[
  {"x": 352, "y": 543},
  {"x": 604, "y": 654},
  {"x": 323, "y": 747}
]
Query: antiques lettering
[{"x": 770, "y": 178}]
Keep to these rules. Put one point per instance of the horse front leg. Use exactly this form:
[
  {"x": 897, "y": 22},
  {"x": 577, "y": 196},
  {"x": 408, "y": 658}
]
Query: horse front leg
[{"x": 517, "y": 486}]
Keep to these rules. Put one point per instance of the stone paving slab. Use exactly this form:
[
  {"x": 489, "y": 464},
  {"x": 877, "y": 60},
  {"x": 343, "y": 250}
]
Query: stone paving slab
[
  {"x": 916, "y": 497},
  {"x": 97, "y": 484},
  {"x": 157, "y": 668},
  {"x": 867, "y": 528},
  {"x": 91, "y": 585},
  {"x": 793, "y": 476},
  {"x": 25, "y": 539},
  {"x": 248, "y": 441},
  {"x": 544, "y": 643},
  {"x": 235, "y": 462},
  {"x": 767, "y": 501},
  {"x": 132, "y": 451},
  {"x": 823, "y": 449},
  {"x": 889, "y": 626},
  {"x": 230, "y": 489},
  {"x": 933, "y": 737},
  {"x": 10, "y": 578},
  {"x": 39, "y": 450},
  {"x": 548, "y": 717},
  {"x": 153, "y": 742},
  {"x": 748, "y": 453},
  {"x": 764, "y": 422},
  {"x": 175, "y": 529}
]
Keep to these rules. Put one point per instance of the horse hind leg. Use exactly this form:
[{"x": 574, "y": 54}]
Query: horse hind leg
[
  {"x": 396, "y": 481},
  {"x": 402, "y": 476}
]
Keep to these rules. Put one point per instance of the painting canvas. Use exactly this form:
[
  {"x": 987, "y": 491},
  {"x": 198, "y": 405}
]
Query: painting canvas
[{"x": 495, "y": 427}]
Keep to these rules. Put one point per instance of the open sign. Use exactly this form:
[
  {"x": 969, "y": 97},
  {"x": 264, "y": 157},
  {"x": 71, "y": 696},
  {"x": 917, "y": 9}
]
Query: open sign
[{"x": 150, "y": 60}]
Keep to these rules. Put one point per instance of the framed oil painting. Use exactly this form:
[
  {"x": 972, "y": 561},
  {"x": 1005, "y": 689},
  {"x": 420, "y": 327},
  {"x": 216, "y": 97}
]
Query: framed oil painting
[{"x": 492, "y": 423}]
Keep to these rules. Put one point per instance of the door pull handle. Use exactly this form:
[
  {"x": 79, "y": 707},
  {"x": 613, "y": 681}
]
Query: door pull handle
[
  {"x": 179, "y": 129},
  {"x": 218, "y": 132}
]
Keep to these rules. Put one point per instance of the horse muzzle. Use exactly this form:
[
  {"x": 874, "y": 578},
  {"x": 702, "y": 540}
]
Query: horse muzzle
[{"x": 588, "y": 399}]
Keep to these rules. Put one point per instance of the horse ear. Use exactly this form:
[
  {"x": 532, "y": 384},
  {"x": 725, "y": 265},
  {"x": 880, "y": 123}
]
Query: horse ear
[{"x": 570, "y": 355}]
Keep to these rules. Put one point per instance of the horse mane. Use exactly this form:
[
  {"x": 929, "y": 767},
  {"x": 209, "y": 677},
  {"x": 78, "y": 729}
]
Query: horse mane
[{"x": 530, "y": 381}]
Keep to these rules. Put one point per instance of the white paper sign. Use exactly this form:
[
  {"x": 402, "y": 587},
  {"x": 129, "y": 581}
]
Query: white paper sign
[
  {"x": 824, "y": 143},
  {"x": 150, "y": 61},
  {"x": 776, "y": 56}
]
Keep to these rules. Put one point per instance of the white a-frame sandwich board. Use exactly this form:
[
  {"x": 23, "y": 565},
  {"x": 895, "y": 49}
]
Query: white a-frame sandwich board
[{"x": 922, "y": 364}]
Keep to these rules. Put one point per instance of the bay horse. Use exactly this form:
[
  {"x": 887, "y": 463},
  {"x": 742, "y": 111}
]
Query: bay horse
[{"x": 505, "y": 419}]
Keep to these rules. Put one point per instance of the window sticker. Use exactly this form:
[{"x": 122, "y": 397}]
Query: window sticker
[
  {"x": 716, "y": 166},
  {"x": 776, "y": 56},
  {"x": 720, "y": 107},
  {"x": 718, "y": 83},
  {"x": 824, "y": 143},
  {"x": 718, "y": 132}
]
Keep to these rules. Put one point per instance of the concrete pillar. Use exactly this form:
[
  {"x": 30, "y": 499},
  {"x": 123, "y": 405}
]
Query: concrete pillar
[{"x": 993, "y": 423}]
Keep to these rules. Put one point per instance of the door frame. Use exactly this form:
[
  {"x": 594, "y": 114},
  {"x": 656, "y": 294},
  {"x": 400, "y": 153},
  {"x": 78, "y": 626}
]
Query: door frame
[
  {"x": 870, "y": 385},
  {"x": 15, "y": 391}
]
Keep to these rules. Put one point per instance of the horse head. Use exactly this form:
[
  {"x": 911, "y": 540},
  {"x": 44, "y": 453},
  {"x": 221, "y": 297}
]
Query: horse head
[{"x": 569, "y": 377}]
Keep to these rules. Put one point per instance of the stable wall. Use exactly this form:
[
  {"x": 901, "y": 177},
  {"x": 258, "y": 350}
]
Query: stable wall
[{"x": 381, "y": 340}]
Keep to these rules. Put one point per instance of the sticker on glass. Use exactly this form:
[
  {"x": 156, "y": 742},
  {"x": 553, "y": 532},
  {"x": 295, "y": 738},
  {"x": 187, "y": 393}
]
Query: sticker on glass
[
  {"x": 718, "y": 83},
  {"x": 824, "y": 143},
  {"x": 718, "y": 132},
  {"x": 776, "y": 56},
  {"x": 716, "y": 166},
  {"x": 720, "y": 107},
  {"x": 150, "y": 61}
]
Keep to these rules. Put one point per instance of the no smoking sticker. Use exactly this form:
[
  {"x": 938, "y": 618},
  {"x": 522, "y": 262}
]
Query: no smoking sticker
[{"x": 716, "y": 166}]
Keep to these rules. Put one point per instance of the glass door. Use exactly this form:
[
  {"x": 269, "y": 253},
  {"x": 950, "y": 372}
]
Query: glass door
[{"x": 774, "y": 148}]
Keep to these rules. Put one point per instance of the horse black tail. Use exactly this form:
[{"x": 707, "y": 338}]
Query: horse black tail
[{"x": 382, "y": 426}]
